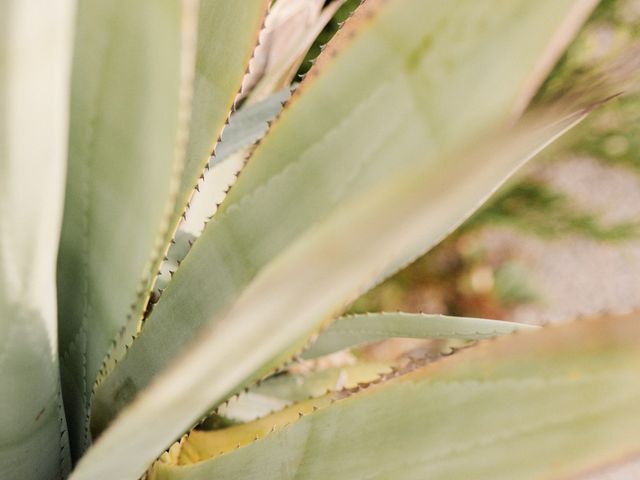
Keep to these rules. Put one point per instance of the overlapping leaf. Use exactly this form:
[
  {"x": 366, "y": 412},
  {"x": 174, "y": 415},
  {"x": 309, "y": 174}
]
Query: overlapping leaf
[
  {"x": 389, "y": 221},
  {"x": 285, "y": 389},
  {"x": 140, "y": 81},
  {"x": 227, "y": 36},
  {"x": 246, "y": 127},
  {"x": 548, "y": 404},
  {"x": 251, "y": 272},
  {"x": 397, "y": 89}
]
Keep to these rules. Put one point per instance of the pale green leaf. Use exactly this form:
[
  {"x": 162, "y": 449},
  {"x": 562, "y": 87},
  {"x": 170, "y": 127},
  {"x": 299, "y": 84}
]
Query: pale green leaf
[
  {"x": 396, "y": 90},
  {"x": 354, "y": 330},
  {"x": 227, "y": 33},
  {"x": 246, "y": 126},
  {"x": 180, "y": 245},
  {"x": 132, "y": 71},
  {"x": 259, "y": 331},
  {"x": 399, "y": 86},
  {"x": 549, "y": 404},
  {"x": 35, "y": 60},
  {"x": 283, "y": 390},
  {"x": 227, "y": 36}
]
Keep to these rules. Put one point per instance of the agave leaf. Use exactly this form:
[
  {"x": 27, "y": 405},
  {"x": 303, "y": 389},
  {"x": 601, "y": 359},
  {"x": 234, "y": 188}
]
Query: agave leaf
[
  {"x": 258, "y": 332},
  {"x": 131, "y": 80},
  {"x": 282, "y": 390},
  {"x": 389, "y": 94},
  {"x": 353, "y": 330},
  {"x": 180, "y": 245},
  {"x": 246, "y": 127},
  {"x": 295, "y": 387},
  {"x": 200, "y": 445},
  {"x": 249, "y": 124},
  {"x": 389, "y": 82},
  {"x": 547, "y": 404},
  {"x": 35, "y": 53},
  {"x": 227, "y": 36}
]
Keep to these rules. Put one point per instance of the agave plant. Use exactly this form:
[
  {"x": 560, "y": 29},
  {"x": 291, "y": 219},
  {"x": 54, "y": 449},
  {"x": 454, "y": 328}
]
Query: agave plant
[{"x": 408, "y": 120}]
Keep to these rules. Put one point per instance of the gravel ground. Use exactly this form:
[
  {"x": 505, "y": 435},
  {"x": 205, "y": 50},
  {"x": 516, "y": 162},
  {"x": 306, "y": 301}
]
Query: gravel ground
[{"x": 578, "y": 276}]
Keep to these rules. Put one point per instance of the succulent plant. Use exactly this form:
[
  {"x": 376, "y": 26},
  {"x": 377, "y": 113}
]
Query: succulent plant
[{"x": 138, "y": 341}]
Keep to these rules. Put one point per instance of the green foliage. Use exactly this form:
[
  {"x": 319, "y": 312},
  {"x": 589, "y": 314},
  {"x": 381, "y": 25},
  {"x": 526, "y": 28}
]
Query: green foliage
[
  {"x": 103, "y": 272},
  {"x": 227, "y": 33},
  {"x": 389, "y": 144},
  {"x": 137, "y": 70},
  {"x": 391, "y": 218},
  {"x": 374, "y": 85}
]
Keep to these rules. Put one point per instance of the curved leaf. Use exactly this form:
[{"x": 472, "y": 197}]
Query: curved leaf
[{"x": 353, "y": 330}]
